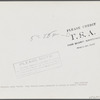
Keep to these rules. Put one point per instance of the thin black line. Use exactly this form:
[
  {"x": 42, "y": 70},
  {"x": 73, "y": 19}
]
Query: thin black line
[{"x": 49, "y": 0}]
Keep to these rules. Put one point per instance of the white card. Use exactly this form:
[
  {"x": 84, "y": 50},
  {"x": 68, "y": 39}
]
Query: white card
[{"x": 50, "y": 49}]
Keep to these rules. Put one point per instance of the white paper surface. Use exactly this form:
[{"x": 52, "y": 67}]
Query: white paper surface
[{"x": 50, "y": 49}]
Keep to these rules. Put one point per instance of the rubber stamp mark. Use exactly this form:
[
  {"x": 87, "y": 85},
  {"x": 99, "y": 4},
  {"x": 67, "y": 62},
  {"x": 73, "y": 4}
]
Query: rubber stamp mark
[{"x": 37, "y": 64}]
